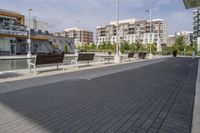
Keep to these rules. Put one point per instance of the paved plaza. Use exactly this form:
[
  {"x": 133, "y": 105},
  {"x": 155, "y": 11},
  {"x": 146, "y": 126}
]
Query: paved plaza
[{"x": 154, "y": 96}]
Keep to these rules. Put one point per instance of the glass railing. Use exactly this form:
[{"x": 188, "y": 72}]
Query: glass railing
[{"x": 12, "y": 32}]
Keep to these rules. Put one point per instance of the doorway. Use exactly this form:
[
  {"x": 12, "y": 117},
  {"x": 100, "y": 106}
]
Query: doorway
[{"x": 13, "y": 49}]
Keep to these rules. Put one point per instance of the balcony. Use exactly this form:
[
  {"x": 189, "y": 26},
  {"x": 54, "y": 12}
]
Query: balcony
[{"x": 11, "y": 32}]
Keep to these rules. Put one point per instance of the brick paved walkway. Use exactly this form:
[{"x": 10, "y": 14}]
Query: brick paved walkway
[{"x": 157, "y": 98}]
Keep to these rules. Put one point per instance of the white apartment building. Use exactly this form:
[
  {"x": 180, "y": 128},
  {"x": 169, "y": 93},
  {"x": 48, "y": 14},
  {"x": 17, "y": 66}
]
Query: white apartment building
[
  {"x": 37, "y": 25},
  {"x": 80, "y": 36},
  {"x": 132, "y": 30}
]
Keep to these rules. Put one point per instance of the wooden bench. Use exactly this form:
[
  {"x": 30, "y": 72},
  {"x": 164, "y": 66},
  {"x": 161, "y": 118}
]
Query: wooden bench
[
  {"x": 85, "y": 57},
  {"x": 142, "y": 55},
  {"x": 130, "y": 55},
  {"x": 42, "y": 59}
]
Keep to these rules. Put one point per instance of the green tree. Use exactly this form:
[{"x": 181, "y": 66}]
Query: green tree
[
  {"x": 65, "y": 49},
  {"x": 124, "y": 47},
  {"x": 113, "y": 48},
  {"x": 93, "y": 46},
  {"x": 180, "y": 44},
  {"x": 166, "y": 50},
  {"x": 143, "y": 47},
  {"x": 133, "y": 47},
  {"x": 153, "y": 47},
  {"x": 85, "y": 47},
  {"x": 138, "y": 45}
]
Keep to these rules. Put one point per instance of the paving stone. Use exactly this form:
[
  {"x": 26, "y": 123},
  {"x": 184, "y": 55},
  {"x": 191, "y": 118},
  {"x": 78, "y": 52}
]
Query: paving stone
[{"x": 150, "y": 98}]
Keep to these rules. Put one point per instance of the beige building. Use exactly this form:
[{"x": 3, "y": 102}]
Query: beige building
[
  {"x": 80, "y": 36},
  {"x": 132, "y": 30},
  {"x": 187, "y": 36},
  {"x": 171, "y": 40}
]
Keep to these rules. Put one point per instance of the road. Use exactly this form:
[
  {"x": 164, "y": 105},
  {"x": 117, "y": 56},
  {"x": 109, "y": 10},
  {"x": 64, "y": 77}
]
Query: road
[{"x": 142, "y": 97}]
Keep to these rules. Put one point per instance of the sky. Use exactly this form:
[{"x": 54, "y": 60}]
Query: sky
[{"x": 62, "y": 14}]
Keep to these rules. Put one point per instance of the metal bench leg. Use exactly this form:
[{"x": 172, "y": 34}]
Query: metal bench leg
[
  {"x": 105, "y": 61},
  {"x": 88, "y": 62},
  {"x": 63, "y": 66},
  {"x": 77, "y": 64},
  {"x": 29, "y": 68},
  {"x": 35, "y": 69}
]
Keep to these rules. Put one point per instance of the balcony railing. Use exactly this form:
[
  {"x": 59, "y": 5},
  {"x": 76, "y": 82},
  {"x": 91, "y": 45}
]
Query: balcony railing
[{"x": 12, "y": 32}]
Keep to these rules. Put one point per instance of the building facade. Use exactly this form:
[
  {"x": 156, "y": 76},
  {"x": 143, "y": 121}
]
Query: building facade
[
  {"x": 196, "y": 24},
  {"x": 80, "y": 36},
  {"x": 171, "y": 40},
  {"x": 187, "y": 36},
  {"x": 11, "y": 26},
  {"x": 14, "y": 35},
  {"x": 133, "y": 30}
]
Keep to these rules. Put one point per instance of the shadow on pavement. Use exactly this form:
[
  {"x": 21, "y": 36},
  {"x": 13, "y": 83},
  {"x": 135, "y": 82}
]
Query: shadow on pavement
[{"x": 9, "y": 75}]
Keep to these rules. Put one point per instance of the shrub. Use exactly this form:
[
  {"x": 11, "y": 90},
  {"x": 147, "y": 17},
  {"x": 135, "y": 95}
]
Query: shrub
[{"x": 65, "y": 49}]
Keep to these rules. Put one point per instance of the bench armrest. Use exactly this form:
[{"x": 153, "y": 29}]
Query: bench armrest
[{"x": 33, "y": 64}]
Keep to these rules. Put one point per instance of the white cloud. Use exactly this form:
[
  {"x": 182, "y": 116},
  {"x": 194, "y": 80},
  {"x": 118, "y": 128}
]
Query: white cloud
[
  {"x": 62, "y": 14},
  {"x": 162, "y": 2}
]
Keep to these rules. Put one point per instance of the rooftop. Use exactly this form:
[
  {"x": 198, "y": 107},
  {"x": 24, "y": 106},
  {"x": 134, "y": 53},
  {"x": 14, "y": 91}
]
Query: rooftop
[
  {"x": 8, "y": 11},
  {"x": 130, "y": 21}
]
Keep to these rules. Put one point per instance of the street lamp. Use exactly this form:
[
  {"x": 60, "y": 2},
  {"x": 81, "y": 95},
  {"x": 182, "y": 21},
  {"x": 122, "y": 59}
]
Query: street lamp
[
  {"x": 77, "y": 40},
  {"x": 29, "y": 35},
  {"x": 150, "y": 34},
  {"x": 117, "y": 58}
]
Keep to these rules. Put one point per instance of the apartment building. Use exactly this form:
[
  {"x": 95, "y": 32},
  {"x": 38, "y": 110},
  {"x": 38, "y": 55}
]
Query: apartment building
[
  {"x": 80, "y": 36},
  {"x": 132, "y": 30},
  {"x": 11, "y": 26},
  {"x": 196, "y": 24},
  {"x": 14, "y": 35}
]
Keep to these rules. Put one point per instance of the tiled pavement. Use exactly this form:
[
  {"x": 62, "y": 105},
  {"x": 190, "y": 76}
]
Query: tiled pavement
[{"x": 157, "y": 98}]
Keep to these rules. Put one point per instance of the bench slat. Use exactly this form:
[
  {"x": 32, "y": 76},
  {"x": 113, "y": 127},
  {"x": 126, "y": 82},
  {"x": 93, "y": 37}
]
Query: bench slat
[
  {"x": 85, "y": 57},
  {"x": 49, "y": 59},
  {"x": 142, "y": 55},
  {"x": 131, "y": 55}
]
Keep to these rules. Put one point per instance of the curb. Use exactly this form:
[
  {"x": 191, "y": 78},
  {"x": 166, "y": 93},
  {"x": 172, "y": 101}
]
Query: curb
[{"x": 196, "y": 112}]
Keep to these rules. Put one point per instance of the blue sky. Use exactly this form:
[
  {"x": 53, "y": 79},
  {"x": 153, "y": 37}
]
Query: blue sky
[{"x": 61, "y": 14}]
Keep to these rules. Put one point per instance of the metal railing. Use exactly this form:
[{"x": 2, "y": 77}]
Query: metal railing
[{"x": 12, "y": 32}]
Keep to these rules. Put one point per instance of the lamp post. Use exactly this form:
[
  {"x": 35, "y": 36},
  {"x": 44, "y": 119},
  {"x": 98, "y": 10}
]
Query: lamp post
[
  {"x": 150, "y": 33},
  {"x": 77, "y": 40},
  {"x": 117, "y": 58},
  {"x": 29, "y": 35}
]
